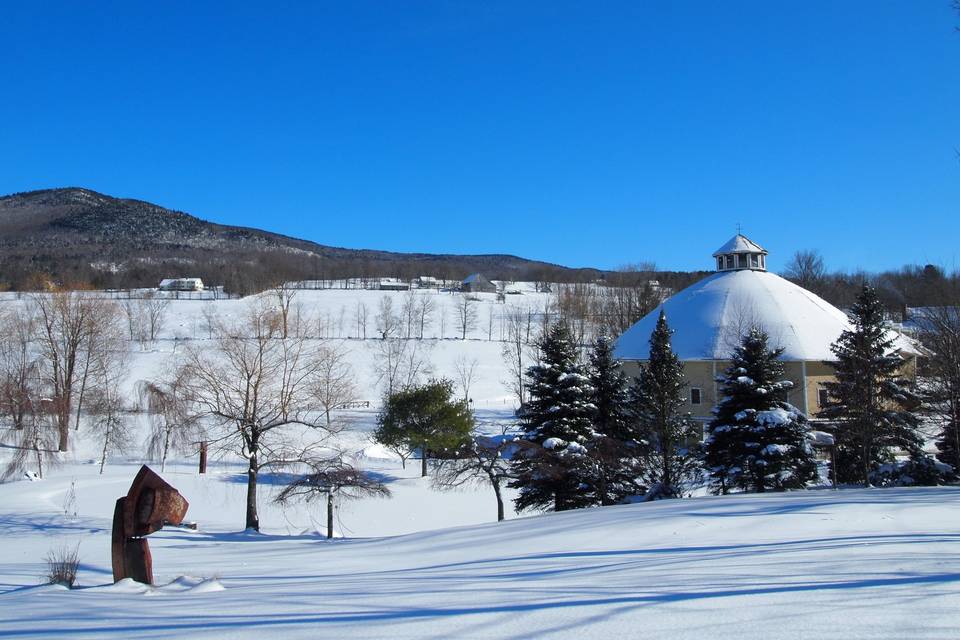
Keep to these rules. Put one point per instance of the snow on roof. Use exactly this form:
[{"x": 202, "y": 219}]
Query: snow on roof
[
  {"x": 473, "y": 277},
  {"x": 740, "y": 244},
  {"x": 709, "y": 317}
]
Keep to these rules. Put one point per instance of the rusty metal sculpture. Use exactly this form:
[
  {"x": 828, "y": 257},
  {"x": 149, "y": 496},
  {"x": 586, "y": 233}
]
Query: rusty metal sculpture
[{"x": 150, "y": 504}]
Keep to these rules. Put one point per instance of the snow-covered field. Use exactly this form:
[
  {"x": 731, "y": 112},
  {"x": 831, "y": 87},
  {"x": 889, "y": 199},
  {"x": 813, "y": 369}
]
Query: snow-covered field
[
  {"x": 817, "y": 564},
  {"x": 875, "y": 563}
]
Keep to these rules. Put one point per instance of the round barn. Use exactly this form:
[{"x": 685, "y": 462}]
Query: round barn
[{"x": 709, "y": 318}]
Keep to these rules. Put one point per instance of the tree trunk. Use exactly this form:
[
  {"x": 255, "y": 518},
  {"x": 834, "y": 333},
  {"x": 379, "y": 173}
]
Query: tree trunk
[
  {"x": 83, "y": 386},
  {"x": 667, "y": 479},
  {"x": 64, "y": 429},
  {"x": 866, "y": 464},
  {"x": 103, "y": 452},
  {"x": 253, "y": 521},
  {"x": 423, "y": 461},
  {"x": 496, "y": 490},
  {"x": 203, "y": 457},
  {"x": 329, "y": 515}
]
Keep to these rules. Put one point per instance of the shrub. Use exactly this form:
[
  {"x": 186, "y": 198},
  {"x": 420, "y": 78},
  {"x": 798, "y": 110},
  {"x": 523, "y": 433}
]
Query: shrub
[{"x": 62, "y": 564}]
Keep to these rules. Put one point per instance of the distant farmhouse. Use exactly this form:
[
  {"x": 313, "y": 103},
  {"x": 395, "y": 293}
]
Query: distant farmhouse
[
  {"x": 427, "y": 282},
  {"x": 477, "y": 283},
  {"x": 393, "y": 284},
  {"x": 181, "y": 284},
  {"x": 710, "y": 317}
]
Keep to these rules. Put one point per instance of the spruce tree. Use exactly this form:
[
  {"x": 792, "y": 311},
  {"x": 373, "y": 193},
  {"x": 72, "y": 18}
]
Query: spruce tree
[
  {"x": 665, "y": 429},
  {"x": 948, "y": 446},
  {"x": 870, "y": 405},
  {"x": 757, "y": 441},
  {"x": 550, "y": 464},
  {"x": 614, "y": 448}
]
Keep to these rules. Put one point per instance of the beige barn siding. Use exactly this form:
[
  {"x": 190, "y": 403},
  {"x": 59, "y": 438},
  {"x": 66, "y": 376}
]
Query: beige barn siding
[{"x": 804, "y": 395}]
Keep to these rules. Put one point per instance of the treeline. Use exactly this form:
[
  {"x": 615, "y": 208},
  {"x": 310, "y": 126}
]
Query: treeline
[
  {"x": 252, "y": 271},
  {"x": 909, "y": 286}
]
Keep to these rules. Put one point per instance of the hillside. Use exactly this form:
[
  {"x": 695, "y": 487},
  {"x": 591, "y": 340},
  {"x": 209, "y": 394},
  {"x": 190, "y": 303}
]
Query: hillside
[
  {"x": 79, "y": 235},
  {"x": 855, "y": 563}
]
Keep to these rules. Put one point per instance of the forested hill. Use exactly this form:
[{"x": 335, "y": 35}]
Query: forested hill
[{"x": 77, "y": 235}]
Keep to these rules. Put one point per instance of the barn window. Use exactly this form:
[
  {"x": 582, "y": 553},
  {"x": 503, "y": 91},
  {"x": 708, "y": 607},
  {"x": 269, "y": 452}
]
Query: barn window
[
  {"x": 696, "y": 396},
  {"x": 823, "y": 397}
]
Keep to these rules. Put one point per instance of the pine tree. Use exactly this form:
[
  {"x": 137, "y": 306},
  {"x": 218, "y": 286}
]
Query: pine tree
[
  {"x": 657, "y": 401},
  {"x": 614, "y": 449},
  {"x": 757, "y": 441},
  {"x": 550, "y": 465},
  {"x": 869, "y": 403},
  {"x": 948, "y": 446}
]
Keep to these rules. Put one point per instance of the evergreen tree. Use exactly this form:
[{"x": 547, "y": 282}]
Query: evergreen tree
[
  {"x": 869, "y": 403},
  {"x": 757, "y": 441},
  {"x": 657, "y": 400},
  {"x": 550, "y": 465},
  {"x": 427, "y": 417},
  {"x": 948, "y": 446},
  {"x": 615, "y": 448}
]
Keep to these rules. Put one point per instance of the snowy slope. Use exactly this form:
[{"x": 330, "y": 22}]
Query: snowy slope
[{"x": 818, "y": 564}]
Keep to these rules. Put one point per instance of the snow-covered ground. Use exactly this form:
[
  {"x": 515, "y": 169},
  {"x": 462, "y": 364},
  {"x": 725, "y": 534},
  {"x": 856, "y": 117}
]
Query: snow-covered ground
[
  {"x": 819, "y": 564},
  {"x": 426, "y": 564}
]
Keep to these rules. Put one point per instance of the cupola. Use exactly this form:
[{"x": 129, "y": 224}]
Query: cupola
[{"x": 740, "y": 252}]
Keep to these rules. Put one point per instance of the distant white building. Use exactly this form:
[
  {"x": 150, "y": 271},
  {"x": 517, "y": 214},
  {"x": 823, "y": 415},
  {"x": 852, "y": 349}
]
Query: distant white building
[
  {"x": 181, "y": 284},
  {"x": 427, "y": 282}
]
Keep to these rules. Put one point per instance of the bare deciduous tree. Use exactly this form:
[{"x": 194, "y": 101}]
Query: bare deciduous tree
[
  {"x": 940, "y": 334},
  {"x": 250, "y": 389},
  {"x": 19, "y": 369},
  {"x": 515, "y": 350},
  {"x": 335, "y": 384},
  {"x": 284, "y": 296},
  {"x": 806, "y": 268},
  {"x": 332, "y": 478},
  {"x": 21, "y": 396},
  {"x": 386, "y": 320},
  {"x": 103, "y": 350},
  {"x": 110, "y": 417},
  {"x": 361, "y": 315},
  {"x": 466, "y": 315},
  {"x": 173, "y": 428},
  {"x": 466, "y": 371},
  {"x": 399, "y": 363},
  {"x": 482, "y": 462},
  {"x": 145, "y": 316},
  {"x": 408, "y": 313},
  {"x": 425, "y": 308},
  {"x": 67, "y": 321}
]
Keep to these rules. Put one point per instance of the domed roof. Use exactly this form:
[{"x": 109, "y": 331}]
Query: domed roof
[
  {"x": 709, "y": 317},
  {"x": 739, "y": 244}
]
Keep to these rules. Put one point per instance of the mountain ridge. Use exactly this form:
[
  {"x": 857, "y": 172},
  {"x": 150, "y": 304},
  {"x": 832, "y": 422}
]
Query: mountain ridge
[{"x": 70, "y": 233}]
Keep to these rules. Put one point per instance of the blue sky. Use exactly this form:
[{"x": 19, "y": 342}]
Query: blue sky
[{"x": 587, "y": 133}]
